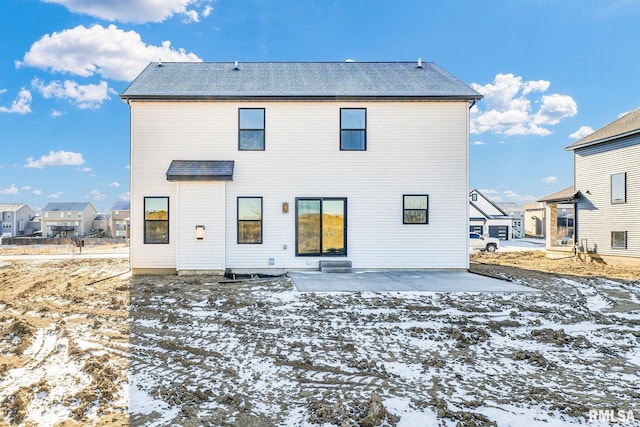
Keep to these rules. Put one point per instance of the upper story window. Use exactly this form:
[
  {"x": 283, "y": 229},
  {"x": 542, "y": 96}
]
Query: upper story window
[
  {"x": 251, "y": 129},
  {"x": 415, "y": 209},
  {"x": 156, "y": 220},
  {"x": 619, "y": 188},
  {"x": 474, "y": 197},
  {"x": 353, "y": 129}
]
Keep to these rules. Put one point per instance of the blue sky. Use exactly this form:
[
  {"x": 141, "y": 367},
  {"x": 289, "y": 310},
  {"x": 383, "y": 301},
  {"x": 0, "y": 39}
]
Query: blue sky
[{"x": 550, "y": 71}]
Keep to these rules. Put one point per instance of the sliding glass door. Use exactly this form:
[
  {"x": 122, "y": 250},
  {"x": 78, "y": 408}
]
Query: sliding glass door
[{"x": 321, "y": 226}]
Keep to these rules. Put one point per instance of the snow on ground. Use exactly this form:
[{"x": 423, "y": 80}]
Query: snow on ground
[{"x": 201, "y": 350}]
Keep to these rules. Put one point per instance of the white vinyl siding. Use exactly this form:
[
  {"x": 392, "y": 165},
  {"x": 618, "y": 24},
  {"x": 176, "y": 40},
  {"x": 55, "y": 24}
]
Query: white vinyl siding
[
  {"x": 597, "y": 217},
  {"x": 412, "y": 148}
]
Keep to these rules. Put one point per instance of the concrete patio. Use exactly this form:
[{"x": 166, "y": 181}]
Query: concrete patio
[{"x": 402, "y": 280}]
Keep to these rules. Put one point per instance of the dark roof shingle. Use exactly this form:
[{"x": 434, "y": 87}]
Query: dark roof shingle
[
  {"x": 200, "y": 170},
  {"x": 297, "y": 80}
]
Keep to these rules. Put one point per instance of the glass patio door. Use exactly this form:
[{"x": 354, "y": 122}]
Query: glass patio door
[{"x": 321, "y": 226}]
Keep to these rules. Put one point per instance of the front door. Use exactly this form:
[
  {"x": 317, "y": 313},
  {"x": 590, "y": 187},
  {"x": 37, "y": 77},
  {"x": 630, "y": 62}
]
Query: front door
[{"x": 321, "y": 226}]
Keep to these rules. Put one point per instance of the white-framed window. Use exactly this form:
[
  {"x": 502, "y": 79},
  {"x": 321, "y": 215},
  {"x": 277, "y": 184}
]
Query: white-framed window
[
  {"x": 618, "y": 188},
  {"x": 618, "y": 240}
]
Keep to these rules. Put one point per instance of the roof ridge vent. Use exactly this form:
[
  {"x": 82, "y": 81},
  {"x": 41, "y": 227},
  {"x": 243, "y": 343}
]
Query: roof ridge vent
[
  {"x": 235, "y": 66},
  {"x": 419, "y": 62},
  {"x": 159, "y": 62}
]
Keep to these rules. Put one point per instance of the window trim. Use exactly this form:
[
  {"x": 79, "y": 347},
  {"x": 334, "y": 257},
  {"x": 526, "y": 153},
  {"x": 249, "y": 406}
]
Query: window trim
[
  {"x": 344, "y": 227},
  {"x": 238, "y": 220},
  {"x": 263, "y": 129},
  {"x": 144, "y": 220},
  {"x": 624, "y": 200},
  {"x": 364, "y": 130},
  {"x": 404, "y": 209},
  {"x": 626, "y": 236}
]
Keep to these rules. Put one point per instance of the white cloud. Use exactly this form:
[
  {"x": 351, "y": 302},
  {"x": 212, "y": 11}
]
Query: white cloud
[
  {"x": 84, "y": 96},
  {"x": 550, "y": 179},
  {"x": 3, "y": 91},
  {"x": 477, "y": 143},
  {"x": 55, "y": 195},
  {"x": 84, "y": 170},
  {"x": 20, "y": 105},
  {"x": 114, "y": 185},
  {"x": 555, "y": 108},
  {"x": 138, "y": 11},
  {"x": 96, "y": 195},
  {"x": 25, "y": 187},
  {"x": 125, "y": 196},
  {"x": 10, "y": 190},
  {"x": 509, "y": 110},
  {"x": 55, "y": 113},
  {"x": 518, "y": 198},
  {"x": 37, "y": 192},
  {"x": 55, "y": 158},
  {"x": 581, "y": 133},
  {"x": 109, "y": 52}
]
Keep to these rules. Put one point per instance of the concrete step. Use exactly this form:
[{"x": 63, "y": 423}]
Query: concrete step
[
  {"x": 336, "y": 266},
  {"x": 337, "y": 270}
]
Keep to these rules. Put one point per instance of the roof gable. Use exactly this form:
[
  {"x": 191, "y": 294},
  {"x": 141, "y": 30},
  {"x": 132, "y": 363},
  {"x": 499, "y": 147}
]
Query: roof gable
[
  {"x": 490, "y": 209},
  {"x": 627, "y": 125},
  {"x": 330, "y": 80}
]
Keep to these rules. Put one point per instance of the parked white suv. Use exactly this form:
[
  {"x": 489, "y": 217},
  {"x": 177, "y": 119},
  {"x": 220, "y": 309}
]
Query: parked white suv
[{"x": 483, "y": 243}]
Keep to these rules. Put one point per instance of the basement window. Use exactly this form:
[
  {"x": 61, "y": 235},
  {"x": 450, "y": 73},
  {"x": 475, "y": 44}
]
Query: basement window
[{"x": 618, "y": 240}]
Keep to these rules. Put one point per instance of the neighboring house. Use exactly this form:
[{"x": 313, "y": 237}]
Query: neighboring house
[
  {"x": 535, "y": 217},
  {"x": 67, "y": 219},
  {"x": 120, "y": 218},
  {"x": 256, "y": 166},
  {"x": 516, "y": 212},
  {"x": 101, "y": 225},
  {"x": 607, "y": 182},
  {"x": 559, "y": 219},
  {"x": 15, "y": 219},
  {"x": 486, "y": 217}
]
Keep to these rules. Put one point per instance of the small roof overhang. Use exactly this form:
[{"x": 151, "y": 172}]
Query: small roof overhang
[{"x": 200, "y": 170}]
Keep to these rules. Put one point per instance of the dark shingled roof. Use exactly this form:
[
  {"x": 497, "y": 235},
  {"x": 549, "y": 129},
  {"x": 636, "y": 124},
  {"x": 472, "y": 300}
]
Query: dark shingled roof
[
  {"x": 328, "y": 80},
  {"x": 121, "y": 205},
  {"x": 627, "y": 125},
  {"x": 65, "y": 206},
  {"x": 200, "y": 170}
]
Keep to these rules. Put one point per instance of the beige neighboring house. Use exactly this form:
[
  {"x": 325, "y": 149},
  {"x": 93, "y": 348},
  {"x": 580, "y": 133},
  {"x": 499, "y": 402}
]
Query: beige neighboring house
[
  {"x": 16, "y": 220},
  {"x": 535, "y": 218},
  {"x": 67, "y": 219},
  {"x": 607, "y": 182},
  {"x": 101, "y": 225},
  {"x": 559, "y": 225},
  {"x": 120, "y": 214},
  {"x": 275, "y": 166}
]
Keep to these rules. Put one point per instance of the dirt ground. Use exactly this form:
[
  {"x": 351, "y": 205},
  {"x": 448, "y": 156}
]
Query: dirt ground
[{"x": 83, "y": 343}]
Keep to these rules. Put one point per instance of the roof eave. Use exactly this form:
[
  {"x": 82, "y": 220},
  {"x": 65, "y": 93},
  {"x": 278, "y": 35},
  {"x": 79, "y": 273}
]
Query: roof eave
[
  {"x": 467, "y": 98},
  {"x": 577, "y": 145}
]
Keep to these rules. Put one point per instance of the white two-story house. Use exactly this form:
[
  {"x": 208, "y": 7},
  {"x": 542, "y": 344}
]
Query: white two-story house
[
  {"x": 607, "y": 187},
  {"x": 275, "y": 166}
]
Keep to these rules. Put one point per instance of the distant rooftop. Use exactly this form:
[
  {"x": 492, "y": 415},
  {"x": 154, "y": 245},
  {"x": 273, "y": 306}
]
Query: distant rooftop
[
  {"x": 65, "y": 206},
  {"x": 121, "y": 205},
  {"x": 10, "y": 207},
  {"x": 559, "y": 196},
  {"x": 627, "y": 125},
  {"x": 323, "y": 80}
]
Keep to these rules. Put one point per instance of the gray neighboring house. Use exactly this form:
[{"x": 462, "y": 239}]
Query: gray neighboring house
[
  {"x": 120, "y": 213},
  {"x": 16, "y": 219},
  {"x": 67, "y": 219},
  {"x": 486, "y": 217},
  {"x": 607, "y": 183}
]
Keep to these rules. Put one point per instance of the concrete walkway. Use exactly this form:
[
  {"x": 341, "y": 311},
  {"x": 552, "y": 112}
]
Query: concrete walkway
[{"x": 392, "y": 281}]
